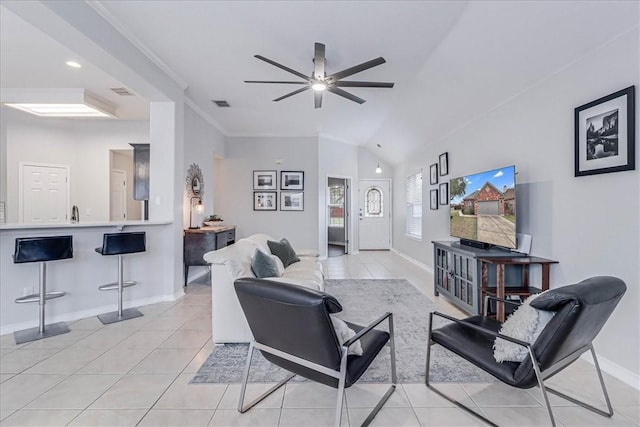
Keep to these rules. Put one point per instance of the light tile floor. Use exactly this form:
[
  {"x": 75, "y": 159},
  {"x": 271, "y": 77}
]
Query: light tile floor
[{"x": 137, "y": 373}]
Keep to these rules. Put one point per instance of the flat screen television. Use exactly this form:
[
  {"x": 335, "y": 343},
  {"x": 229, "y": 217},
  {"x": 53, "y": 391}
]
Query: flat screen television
[{"x": 483, "y": 208}]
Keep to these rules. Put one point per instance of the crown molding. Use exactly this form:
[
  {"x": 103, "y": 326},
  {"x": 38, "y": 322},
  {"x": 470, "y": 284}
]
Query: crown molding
[
  {"x": 122, "y": 29},
  {"x": 203, "y": 114}
]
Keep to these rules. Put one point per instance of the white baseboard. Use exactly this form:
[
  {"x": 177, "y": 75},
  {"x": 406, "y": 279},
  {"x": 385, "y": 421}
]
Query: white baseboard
[
  {"x": 612, "y": 368},
  {"x": 413, "y": 260},
  {"x": 82, "y": 314}
]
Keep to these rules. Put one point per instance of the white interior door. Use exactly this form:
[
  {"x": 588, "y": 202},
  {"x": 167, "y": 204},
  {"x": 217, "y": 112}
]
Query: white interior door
[
  {"x": 118, "y": 198},
  {"x": 44, "y": 195},
  {"x": 374, "y": 214}
]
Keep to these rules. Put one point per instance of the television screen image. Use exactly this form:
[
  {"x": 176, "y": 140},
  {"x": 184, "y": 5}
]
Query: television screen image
[{"x": 483, "y": 207}]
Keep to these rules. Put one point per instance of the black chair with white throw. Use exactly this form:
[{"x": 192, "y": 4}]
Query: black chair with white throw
[
  {"x": 294, "y": 329},
  {"x": 553, "y": 328}
]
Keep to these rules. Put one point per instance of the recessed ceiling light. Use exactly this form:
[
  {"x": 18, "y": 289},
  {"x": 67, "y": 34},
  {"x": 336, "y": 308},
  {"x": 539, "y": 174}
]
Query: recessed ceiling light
[{"x": 73, "y": 64}]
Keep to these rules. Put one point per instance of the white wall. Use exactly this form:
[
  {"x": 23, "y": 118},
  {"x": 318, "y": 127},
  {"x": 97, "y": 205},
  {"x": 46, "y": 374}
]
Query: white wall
[
  {"x": 82, "y": 145},
  {"x": 243, "y": 156},
  {"x": 203, "y": 142},
  {"x": 589, "y": 224},
  {"x": 340, "y": 160}
]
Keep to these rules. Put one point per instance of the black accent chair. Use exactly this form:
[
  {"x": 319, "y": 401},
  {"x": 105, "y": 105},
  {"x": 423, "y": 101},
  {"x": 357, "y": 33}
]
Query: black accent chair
[
  {"x": 42, "y": 250},
  {"x": 292, "y": 329},
  {"x": 121, "y": 244},
  {"x": 581, "y": 310}
]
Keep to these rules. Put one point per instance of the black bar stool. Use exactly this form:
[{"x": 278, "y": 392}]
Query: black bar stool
[
  {"x": 42, "y": 249},
  {"x": 120, "y": 244}
]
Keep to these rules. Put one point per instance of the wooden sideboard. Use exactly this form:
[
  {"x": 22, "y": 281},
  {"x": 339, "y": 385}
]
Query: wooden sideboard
[{"x": 198, "y": 242}]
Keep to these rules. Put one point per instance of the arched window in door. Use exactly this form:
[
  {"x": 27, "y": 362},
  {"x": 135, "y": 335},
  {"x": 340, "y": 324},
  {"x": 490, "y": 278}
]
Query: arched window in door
[{"x": 373, "y": 202}]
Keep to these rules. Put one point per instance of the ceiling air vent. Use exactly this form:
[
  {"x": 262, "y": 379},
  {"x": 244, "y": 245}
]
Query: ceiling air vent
[
  {"x": 222, "y": 104},
  {"x": 122, "y": 91}
]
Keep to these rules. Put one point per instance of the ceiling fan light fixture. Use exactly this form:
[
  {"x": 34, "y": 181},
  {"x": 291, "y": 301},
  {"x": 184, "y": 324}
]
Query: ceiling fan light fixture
[{"x": 319, "y": 86}]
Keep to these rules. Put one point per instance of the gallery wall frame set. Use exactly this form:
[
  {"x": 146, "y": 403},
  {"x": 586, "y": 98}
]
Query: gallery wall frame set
[
  {"x": 605, "y": 134},
  {"x": 265, "y": 186}
]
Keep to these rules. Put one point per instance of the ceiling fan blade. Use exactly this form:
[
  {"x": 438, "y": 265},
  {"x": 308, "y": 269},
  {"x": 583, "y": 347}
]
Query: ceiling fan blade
[
  {"x": 317, "y": 99},
  {"x": 318, "y": 62},
  {"x": 356, "y": 69},
  {"x": 283, "y": 67},
  {"x": 277, "y": 82},
  {"x": 295, "y": 92},
  {"x": 346, "y": 94},
  {"x": 363, "y": 84}
]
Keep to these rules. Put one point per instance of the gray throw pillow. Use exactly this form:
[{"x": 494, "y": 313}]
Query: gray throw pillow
[
  {"x": 263, "y": 266},
  {"x": 284, "y": 251}
]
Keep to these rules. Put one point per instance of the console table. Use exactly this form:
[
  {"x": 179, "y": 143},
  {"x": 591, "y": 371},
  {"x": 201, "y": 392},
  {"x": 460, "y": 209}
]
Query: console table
[
  {"x": 457, "y": 273},
  {"x": 523, "y": 288},
  {"x": 199, "y": 241}
]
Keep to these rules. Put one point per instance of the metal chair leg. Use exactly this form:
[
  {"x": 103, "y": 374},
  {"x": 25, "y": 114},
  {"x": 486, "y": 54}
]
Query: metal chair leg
[
  {"x": 543, "y": 389},
  {"x": 609, "y": 412},
  {"x": 243, "y": 409},
  {"x": 394, "y": 377},
  {"x": 441, "y": 394}
]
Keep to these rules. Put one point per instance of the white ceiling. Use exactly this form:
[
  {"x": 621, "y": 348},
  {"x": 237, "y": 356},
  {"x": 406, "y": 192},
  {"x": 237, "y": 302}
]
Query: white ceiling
[
  {"x": 452, "y": 61},
  {"x": 29, "y": 58}
]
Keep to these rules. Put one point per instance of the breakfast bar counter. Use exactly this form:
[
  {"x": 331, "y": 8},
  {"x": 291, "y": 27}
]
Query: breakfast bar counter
[{"x": 158, "y": 271}]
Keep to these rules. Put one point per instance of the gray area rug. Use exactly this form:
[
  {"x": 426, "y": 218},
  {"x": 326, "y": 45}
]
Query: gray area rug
[{"x": 363, "y": 300}]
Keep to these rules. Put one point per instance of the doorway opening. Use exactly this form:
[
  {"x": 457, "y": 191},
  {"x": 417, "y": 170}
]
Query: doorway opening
[{"x": 337, "y": 216}]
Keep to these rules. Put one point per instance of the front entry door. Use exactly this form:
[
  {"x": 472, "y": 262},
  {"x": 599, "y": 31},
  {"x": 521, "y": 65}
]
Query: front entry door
[
  {"x": 44, "y": 195},
  {"x": 374, "y": 214}
]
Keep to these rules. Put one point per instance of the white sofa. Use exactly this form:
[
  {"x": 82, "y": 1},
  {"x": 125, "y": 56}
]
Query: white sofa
[{"x": 232, "y": 262}]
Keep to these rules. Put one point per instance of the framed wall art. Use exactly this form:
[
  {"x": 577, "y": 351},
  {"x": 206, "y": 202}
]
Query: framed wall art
[
  {"x": 444, "y": 193},
  {"x": 443, "y": 163},
  {"x": 605, "y": 134},
  {"x": 265, "y": 200},
  {"x": 292, "y": 180},
  {"x": 291, "y": 200},
  {"x": 433, "y": 174},
  {"x": 433, "y": 200},
  {"x": 265, "y": 180}
]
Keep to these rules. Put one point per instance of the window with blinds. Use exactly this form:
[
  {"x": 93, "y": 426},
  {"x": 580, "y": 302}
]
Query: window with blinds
[
  {"x": 336, "y": 206},
  {"x": 414, "y": 205}
]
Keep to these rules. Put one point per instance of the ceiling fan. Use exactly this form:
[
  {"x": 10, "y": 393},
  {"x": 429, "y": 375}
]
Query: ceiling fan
[{"x": 319, "y": 81}]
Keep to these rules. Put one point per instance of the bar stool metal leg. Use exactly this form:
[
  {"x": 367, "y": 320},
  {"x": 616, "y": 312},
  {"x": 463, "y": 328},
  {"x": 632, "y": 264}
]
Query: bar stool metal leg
[
  {"x": 41, "y": 298},
  {"x": 121, "y": 314}
]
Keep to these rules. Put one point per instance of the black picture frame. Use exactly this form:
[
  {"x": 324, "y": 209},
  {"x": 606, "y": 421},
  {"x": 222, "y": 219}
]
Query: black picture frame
[
  {"x": 433, "y": 200},
  {"x": 605, "y": 134},
  {"x": 443, "y": 162},
  {"x": 291, "y": 180},
  {"x": 444, "y": 193},
  {"x": 265, "y": 200},
  {"x": 433, "y": 174},
  {"x": 292, "y": 200},
  {"x": 265, "y": 180}
]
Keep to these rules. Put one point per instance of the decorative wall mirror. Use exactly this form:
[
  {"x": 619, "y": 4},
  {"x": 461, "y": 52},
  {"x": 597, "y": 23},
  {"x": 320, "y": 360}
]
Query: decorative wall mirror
[{"x": 195, "y": 182}]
